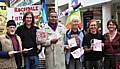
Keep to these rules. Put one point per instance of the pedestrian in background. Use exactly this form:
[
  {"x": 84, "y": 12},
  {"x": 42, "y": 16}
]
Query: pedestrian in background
[
  {"x": 92, "y": 58},
  {"x": 27, "y": 33},
  {"x": 10, "y": 48},
  {"x": 112, "y": 46},
  {"x": 54, "y": 43},
  {"x": 73, "y": 32}
]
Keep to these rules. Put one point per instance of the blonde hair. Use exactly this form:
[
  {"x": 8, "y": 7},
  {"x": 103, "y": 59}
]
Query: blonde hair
[{"x": 93, "y": 20}]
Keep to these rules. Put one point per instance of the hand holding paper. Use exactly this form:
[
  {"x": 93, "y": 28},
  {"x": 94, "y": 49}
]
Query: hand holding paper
[
  {"x": 25, "y": 50},
  {"x": 68, "y": 47},
  {"x": 54, "y": 41},
  {"x": 72, "y": 42},
  {"x": 78, "y": 53},
  {"x": 11, "y": 53},
  {"x": 97, "y": 45},
  {"x": 40, "y": 35},
  {"x": 55, "y": 36}
]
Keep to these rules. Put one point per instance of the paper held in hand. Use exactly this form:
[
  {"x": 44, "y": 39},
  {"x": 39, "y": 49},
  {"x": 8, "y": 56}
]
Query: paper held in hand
[
  {"x": 15, "y": 52},
  {"x": 55, "y": 35},
  {"x": 78, "y": 52},
  {"x": 27, "y": 49},
  {"x": 97, "y": 45},
  {"x": 42, "y": 54},
  {"x": 40, "y": 35},
  {"x": 72, "y": 42}
]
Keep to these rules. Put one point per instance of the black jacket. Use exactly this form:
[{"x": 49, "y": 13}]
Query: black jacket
[{"x": 28, "y": 37}]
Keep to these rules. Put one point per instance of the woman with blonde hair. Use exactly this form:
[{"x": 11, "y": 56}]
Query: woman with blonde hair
[{"x": 92, "y": 58}]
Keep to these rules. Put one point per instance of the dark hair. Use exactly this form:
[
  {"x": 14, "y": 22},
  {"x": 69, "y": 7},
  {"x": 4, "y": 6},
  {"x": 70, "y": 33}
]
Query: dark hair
[
  {"x": 27, "y": 13},
  {"x": 113, "y": 21},
  {"x": 50, "y": 13}
]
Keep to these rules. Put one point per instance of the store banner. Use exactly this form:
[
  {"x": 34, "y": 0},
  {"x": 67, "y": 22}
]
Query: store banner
[
  {"x": 18, "y": 12},
  {"x": 16, "y": 3}
]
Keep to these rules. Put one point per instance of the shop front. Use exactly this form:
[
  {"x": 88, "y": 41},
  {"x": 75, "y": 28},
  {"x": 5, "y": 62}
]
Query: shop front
[{"x": 102, "y": 11}]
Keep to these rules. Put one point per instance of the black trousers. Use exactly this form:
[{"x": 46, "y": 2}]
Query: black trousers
[{"x": 111, "y": 61}]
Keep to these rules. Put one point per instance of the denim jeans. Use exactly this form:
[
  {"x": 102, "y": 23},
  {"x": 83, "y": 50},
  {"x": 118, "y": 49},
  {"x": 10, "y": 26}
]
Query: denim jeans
[
  {"x": 31, "y": 62},
  {"x": 93, "y": 64},
  {"x": 75, "y": 64}
]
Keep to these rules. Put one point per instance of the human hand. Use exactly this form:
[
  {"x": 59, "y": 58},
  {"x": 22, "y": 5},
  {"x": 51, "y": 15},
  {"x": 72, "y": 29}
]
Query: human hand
[
  {"x": 102, "y": 44},
  {"x": 11, "y": 53},
  {"x": 54, "y": 41},
  {"x": 92, "y": 45},
  {"x": 87, "y": 49},
  {"x": 39, "y": 47},
  {"x": 68, "y": 47}
]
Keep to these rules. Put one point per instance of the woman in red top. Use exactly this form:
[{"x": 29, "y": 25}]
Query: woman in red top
[{"x": 111, "y": 46}]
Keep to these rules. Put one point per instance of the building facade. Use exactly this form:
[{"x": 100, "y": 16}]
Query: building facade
[{"x": 102, "y": 11}]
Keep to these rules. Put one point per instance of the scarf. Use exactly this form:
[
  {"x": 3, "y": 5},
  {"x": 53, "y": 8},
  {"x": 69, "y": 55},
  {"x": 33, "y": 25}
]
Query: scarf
[
  {"x": 14, "y": 42},
  {"x": 53, "y": 25}
]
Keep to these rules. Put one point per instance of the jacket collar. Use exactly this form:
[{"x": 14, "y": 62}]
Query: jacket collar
[{"x": 8, "y": 37}]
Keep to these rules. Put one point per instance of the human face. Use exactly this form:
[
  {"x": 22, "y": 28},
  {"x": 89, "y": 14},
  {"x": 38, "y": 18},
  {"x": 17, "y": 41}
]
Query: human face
[
  {"x": 28, "y": 19},
  {"x": 11, "y": 30},
  {"x": 111, "y": 26},
  {"x": 53, "y": 18},
  {"x": 75, "y": 23},
  {"x": 93, "y": 27}
]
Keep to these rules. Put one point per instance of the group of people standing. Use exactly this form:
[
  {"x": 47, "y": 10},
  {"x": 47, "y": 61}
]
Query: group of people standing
[{"x": 19, "y": 47}]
